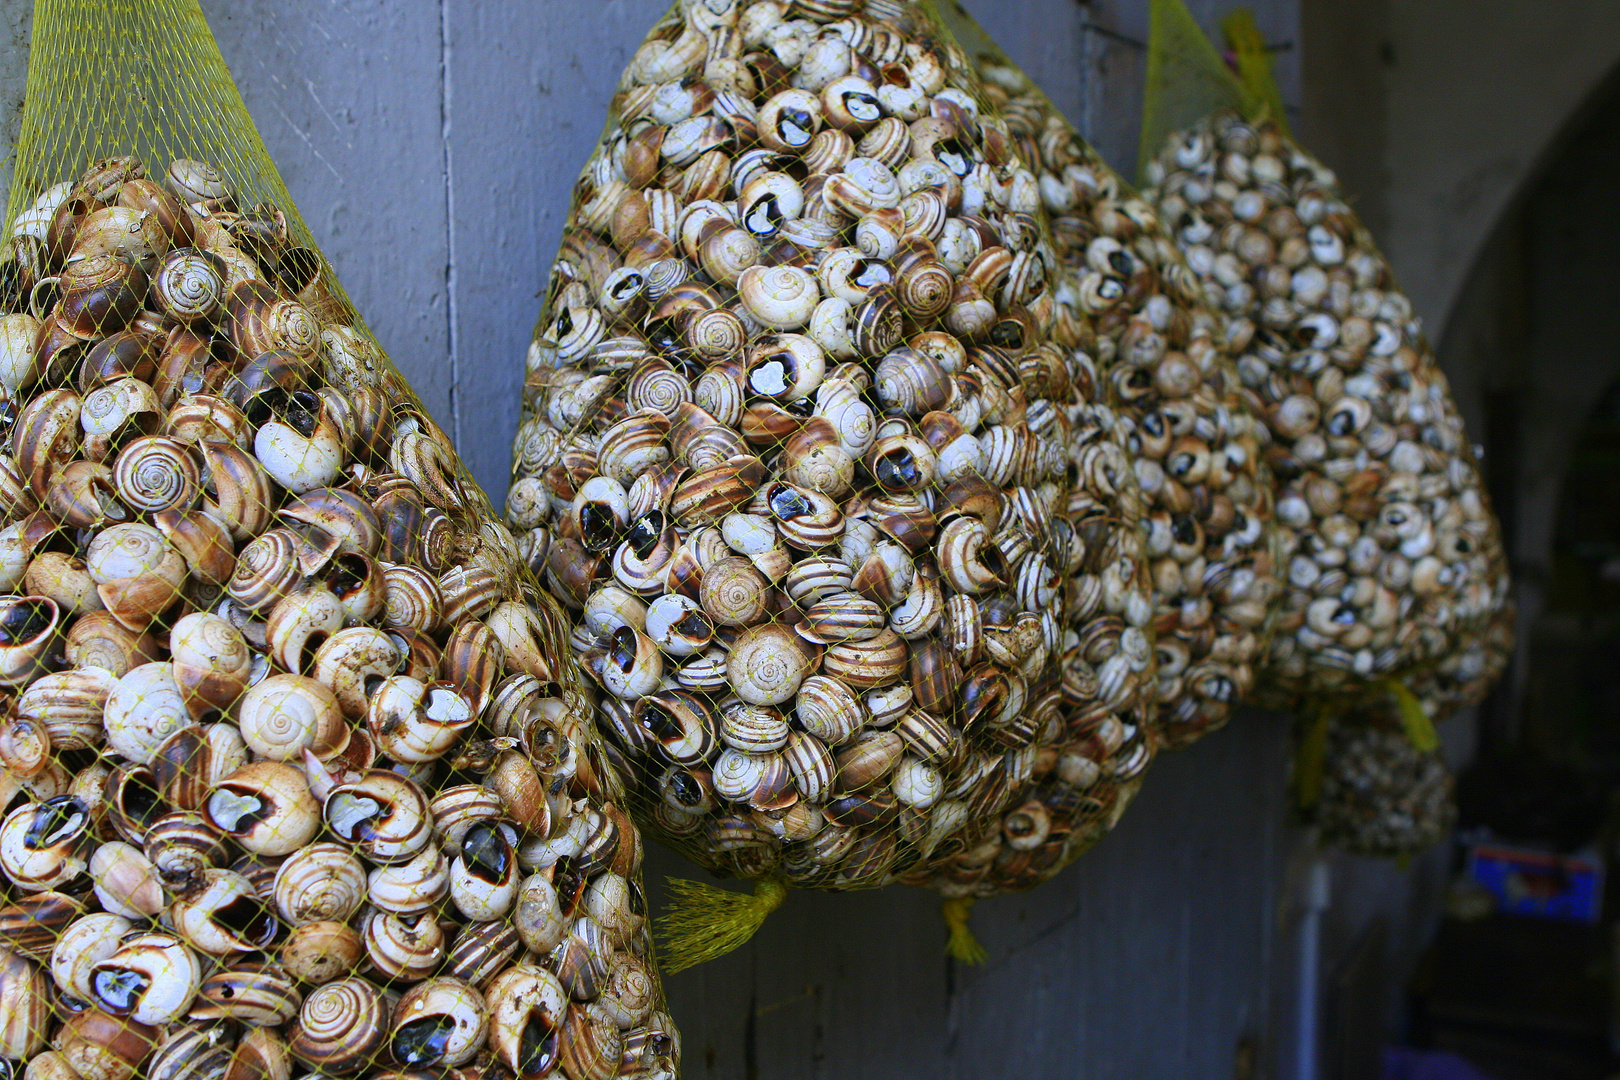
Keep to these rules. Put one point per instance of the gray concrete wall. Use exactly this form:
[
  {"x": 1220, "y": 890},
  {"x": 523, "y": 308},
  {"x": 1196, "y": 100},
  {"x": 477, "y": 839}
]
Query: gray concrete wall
[{"x": 432, "y": 146}]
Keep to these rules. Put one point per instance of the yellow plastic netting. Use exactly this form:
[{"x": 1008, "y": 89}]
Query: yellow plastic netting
[
  {"x": 1186, "y": 80},
  {"x": 817, "y": 455},
  {"x": 299, "y": 773}
]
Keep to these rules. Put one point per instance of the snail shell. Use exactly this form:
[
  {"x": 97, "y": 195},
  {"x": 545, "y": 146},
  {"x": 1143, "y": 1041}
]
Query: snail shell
[
  {"x": 780, "y": 297},
  {"x": 266, "y": 807},
  {"x": 324, "y": 882},
  {"x": 592, "y": 1044},
  {"x": 181, "y": 846},
  {"x": 528, "y": 1011},
  {"x": 341, "y": 1026},
  {"x": 28, "y": 632},
  {"x": 285, "y": 715},
  {"x": 253, "y": 992},
  {"x": 89, "y": 940},
  {"x": 405, "y": 947},
  {"x": 320, "y": 952},
  {"x": 441, "y": 1022},
  {"x": 383, "y": 814},
  {"x": 211, "y": 662},
  {"x": 767, "y": 664},
  {"x": 189, "y": 285},
  {"x": 238, "y": 489},
  {"x": 97, "y": 1046},
  {"x": 144, "y": 707},
  {"x": 43, "y": 845},
  {"x": 414, "y": 722},
  {"x": 150, "y": 978},
  {"x": 411, "y": 887},
  {"x": 24, "y": 1023},
  {"x": 69, "y": 705},
  {"x": 223, "y": 915}
]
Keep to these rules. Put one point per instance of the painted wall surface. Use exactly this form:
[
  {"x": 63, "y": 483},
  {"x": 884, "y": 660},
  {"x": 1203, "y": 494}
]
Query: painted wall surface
[{"x": 432, "y": 146}]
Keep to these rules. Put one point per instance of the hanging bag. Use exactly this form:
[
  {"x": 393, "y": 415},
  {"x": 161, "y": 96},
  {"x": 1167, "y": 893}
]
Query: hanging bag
[
  {"x": 300, "y": 775},
  {"x": 813, "y": 456},
  {"x": 1394, "y": 561}
]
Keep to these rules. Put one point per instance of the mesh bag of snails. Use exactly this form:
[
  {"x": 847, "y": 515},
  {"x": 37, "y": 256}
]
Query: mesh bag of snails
[
  {"x": 1378, "y": 784},
  {"x": 1194, "y": 433},
  {"x": 299, "y": 777},
  {"x": 1393, "y": 560},
  {"x": 813, "y": 453}
]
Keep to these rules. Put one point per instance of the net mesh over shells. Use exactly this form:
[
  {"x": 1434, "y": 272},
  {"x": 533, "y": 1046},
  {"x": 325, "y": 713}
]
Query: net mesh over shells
[
  {"x": 1393, "y": 560},
  {"x": 299, "y": 774},
  {"x": 815, "y": 455},
  {"x": 1192, "y": 430},
  {"x": 1380, "y": 795}
]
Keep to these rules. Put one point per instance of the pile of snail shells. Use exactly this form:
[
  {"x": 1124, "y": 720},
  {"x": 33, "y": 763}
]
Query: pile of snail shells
[
  {"x": 1465, "y": 677},
  {"x": 1380, "y": 795},
  {"x": 805, "y": 456},
  {"x": 1392, "y": 555},
  {"x": 1193, "y": 431},
  {"x": 295, "y": 774}
]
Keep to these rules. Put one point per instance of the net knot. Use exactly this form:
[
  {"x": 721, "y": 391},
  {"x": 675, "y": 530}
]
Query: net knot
[
  {"x": 960, "y": 942},
  {"x": 704, "y": 923}
]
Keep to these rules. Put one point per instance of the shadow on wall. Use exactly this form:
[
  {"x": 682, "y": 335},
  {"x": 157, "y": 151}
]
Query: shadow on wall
[{"x": 1530, "y": 349}]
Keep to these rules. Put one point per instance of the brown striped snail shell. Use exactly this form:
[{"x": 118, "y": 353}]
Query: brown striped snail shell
[
  {"x": 150, "y": 978},
  {"x": 196, "y": 1052},
  {"x": 528, "y": 1011},
  {"x": 97, "y": 1046},
  {"x": 341, "y": 1026},
  {"x": 592, "y": 1044},
  {"x": 383, "y": 814},
  {"x": 473, "y": 657},
  {"x": 340, "y": 512},
  {"x": 403, "y": 947},
  {"x": 89, "y": 940},
  {"x": 45, "y": 436},
  {"x": 267, "y": 570},
  {"x": 806, "y": 519},
  {"x": 33, "y": 924},
  {"x": 181, "y": 846},
  {"x": 202, "y": 540},
  {"x": 299, "y": 623},
  {"x": 237, "y": 487},
  {"x": 211, "y": 662},
  {"x": 100, "y": 295},
  {"x": 254, "y": 992},
  {"x": 323, "y": 882},
  {"x": 439, "y": 1022},
  {"x": 410, "y": 888},
  {"x": 414, "y": 722},
  {"x": 266, "y": 807},
  {"x": 345, "y": 663},
  {"x": 223, "y": 915}
]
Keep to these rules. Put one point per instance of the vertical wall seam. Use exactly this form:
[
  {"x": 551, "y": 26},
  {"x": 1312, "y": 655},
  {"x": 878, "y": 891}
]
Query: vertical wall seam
[{"x": 446, "y": 104}]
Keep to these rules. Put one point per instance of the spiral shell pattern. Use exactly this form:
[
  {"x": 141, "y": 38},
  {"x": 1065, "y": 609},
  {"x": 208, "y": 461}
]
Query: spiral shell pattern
[
  {"x": 657, "y": 386},
  {"x": 188, "y": 286},
  {"x": 156, "y": 473},
  {"x": 715, "y": 335},
  {"x": 341, "y": 1025}
]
